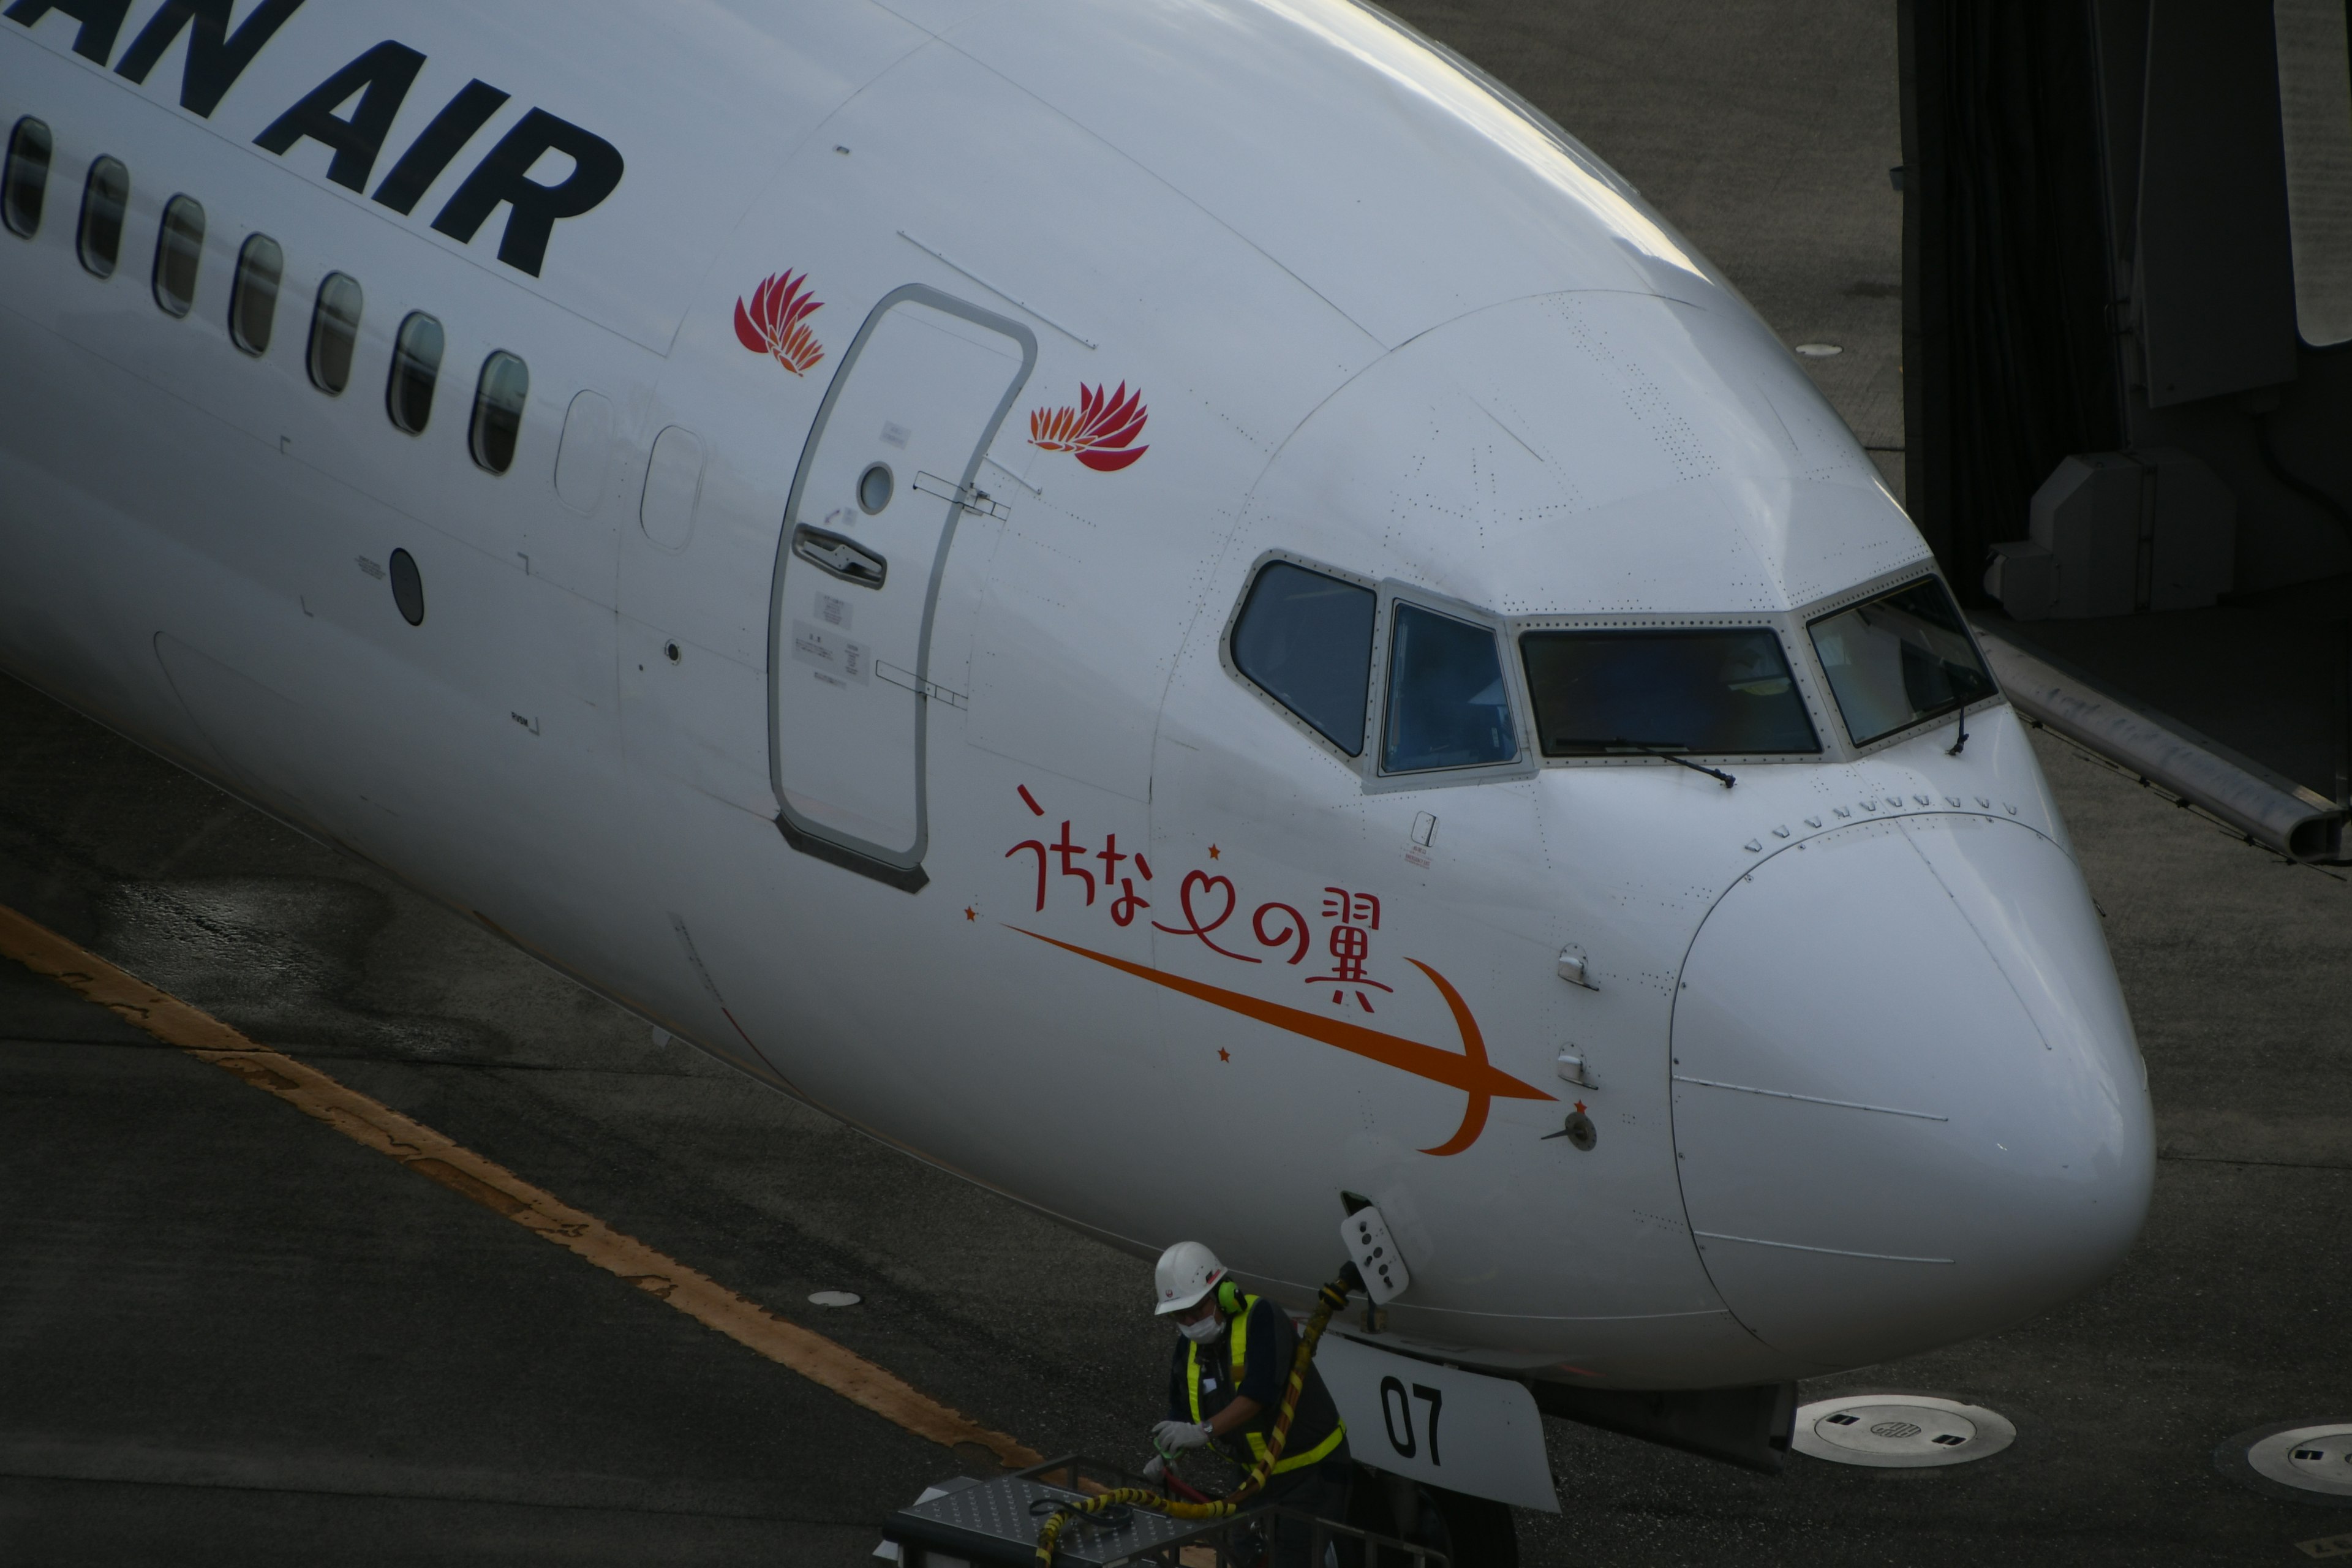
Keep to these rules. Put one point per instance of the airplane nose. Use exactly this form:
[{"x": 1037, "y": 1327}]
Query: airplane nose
[{"x": 1908, "y": 1106}]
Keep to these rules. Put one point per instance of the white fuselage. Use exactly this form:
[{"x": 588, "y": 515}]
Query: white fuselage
[{"x": 1178, "y": 289}]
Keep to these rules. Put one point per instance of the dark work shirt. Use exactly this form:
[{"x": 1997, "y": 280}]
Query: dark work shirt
[{"x": 1265, "y": 1373}]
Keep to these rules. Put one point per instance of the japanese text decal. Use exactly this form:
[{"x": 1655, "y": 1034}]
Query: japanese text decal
[{"x": 1204, "y": 907}]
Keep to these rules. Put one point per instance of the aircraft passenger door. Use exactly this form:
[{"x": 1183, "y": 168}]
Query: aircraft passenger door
[{"x": 887, "y": 475}]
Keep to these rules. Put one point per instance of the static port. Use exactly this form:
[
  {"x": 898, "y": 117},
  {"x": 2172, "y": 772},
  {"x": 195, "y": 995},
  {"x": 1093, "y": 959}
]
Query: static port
[{"x": 670, "y": 649}]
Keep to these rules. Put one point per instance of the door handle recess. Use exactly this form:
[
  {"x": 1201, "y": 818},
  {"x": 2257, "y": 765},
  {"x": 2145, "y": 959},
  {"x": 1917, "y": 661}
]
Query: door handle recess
[{"x": 842, "y": 557}]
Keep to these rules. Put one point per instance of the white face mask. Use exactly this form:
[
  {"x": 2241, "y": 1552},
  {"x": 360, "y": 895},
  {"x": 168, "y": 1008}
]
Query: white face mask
[{"x": 1205, "y": 1332}]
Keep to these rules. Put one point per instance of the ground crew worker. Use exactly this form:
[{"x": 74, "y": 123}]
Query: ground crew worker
[{"x": 1225, "y": 1386}]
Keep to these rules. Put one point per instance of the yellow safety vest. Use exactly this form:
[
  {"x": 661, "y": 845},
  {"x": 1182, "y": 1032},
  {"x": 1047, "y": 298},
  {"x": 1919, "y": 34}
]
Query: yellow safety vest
[{"x": 1257, "y": 1439}]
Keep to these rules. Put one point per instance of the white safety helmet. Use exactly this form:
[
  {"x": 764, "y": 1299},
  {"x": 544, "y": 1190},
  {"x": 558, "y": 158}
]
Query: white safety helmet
[{"x": 1186, "y": 1272}]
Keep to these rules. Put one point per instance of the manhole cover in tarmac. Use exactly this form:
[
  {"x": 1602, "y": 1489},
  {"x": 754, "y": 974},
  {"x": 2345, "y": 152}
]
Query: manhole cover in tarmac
[
  {"x": 2308, "y": 1461},
  {"x": 1897, "y": 1431}
]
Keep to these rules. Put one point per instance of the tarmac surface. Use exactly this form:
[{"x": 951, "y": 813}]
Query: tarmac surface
[{"x": 228, "y": 1333}]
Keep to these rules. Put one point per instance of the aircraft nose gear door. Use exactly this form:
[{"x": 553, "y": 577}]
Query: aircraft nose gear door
[{"x": 887, "y": 475}]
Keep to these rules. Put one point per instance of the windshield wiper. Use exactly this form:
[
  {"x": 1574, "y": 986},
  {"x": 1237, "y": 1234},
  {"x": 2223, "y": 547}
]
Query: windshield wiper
[{"x": 1670, "y": 753}]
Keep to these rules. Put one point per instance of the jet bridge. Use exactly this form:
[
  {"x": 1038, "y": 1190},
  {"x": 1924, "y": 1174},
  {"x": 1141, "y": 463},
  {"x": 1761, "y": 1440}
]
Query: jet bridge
[{"x": 2127, "y": 354}]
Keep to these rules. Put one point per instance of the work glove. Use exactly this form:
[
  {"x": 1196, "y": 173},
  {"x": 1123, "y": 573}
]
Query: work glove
[
  {"x": 1155, "y": 1468},
  {"x": 1172, "y": 1438}
]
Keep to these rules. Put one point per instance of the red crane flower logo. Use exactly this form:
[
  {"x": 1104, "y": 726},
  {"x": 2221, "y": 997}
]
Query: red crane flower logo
[
  {"x": 1098, "y": 431},
  {"x": 775, "y": 322}
]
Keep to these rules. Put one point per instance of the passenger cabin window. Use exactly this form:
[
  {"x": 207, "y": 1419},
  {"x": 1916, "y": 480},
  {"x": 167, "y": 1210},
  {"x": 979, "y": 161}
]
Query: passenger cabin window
[
  {"x": 105, "y": 196},
  {"x": 1899, "y": 658},
  {"x": 334, "y": 332},
  {"x": 1626, "y": 692},
  {"x": 25, "y": 182},
  {"x": 1447, "y": 706},
  {"x": 497, "y": 411},
  {"x": 1305, "y": 640},
  {"x": 179, "y": 248},
  {"x": 415, "y": 367},
  {"x": 253, "y": 297}
]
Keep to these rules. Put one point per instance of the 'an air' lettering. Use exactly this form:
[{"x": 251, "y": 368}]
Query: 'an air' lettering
[
  {"x": 216, "y": 56},
  {"x": 352, "y": 112},
  {"x": 381, "y": 79},
  {"x": 502, "y": 176},
  {"x": 100, "y": 21},
  {"x": 437, "y": 144}
]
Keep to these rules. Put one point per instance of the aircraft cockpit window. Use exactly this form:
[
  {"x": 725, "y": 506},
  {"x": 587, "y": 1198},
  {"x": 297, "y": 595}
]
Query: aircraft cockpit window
[
  {"x": 179, "y": 248},
  {"x": 1722, "y": 691},
  {"x": 1447, "y": 704},
  {"x": 253, "y": 297},
  {"x": 497, "y": 411},
  {"x": 1305, "y": 640},
  {"x": 334, "y": 332},
  {"x": 1899, "y": 658},
  {"x": 26, "y": 179},
  {"x": 415, "y": 369},
  {"x": 105, "y": 195}
]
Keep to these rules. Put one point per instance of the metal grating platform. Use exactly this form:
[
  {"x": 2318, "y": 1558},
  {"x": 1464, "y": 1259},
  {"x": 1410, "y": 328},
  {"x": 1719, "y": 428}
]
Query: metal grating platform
[
  {"x": 992, "y": 1523},
  {"x": 995, "y": 1523}
]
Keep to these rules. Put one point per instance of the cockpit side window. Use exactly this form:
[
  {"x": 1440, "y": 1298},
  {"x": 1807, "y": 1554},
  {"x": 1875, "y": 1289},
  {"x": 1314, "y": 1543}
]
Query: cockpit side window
[
  {"x": 1724, "y": 691},
  {"x": 1305, "y": 640},
  {"x": 1447, "y": 706},
  {"x": 1899, "y": 658}
]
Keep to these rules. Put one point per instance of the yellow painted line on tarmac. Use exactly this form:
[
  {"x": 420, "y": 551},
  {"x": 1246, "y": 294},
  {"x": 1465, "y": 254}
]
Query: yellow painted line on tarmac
[{"x": 497, "y": 1189}]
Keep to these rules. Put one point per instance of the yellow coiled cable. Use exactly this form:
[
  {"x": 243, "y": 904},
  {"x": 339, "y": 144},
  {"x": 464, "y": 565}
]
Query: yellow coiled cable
[{"x": 1328, "y": 1301}]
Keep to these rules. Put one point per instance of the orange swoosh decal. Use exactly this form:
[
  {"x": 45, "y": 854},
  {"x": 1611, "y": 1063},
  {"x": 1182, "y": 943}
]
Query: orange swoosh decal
[{"x": 1469, "y": 1071}]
